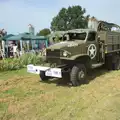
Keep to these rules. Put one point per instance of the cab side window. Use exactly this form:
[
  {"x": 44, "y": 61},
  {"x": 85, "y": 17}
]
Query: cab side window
[{"x": 91, "y": 36}]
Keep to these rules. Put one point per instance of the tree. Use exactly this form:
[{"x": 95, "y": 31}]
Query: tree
[
  {"x": 70, "y": 18},
  {"x": 44, "y": 32},
  {"x": 3, "y": 32}
]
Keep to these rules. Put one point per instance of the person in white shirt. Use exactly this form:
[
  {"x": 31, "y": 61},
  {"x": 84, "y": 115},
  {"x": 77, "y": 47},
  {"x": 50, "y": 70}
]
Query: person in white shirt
[{"x": 15, "y": 50}]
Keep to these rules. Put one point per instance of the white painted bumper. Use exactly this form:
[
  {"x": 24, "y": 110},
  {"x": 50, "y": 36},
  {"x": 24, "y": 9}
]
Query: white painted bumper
[{"x": 51, "y": 72}]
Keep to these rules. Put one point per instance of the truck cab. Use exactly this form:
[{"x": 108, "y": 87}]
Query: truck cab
[{"x": 77, "y": 44}]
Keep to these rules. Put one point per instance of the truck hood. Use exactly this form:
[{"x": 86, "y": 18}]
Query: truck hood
[{"x": 65, "y": 44}]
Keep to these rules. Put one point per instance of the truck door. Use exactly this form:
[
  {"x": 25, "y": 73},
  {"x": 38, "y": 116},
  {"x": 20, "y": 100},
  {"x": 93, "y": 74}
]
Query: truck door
[
  {"x": 92, "y": 46},
  {"x": 101, "y": 54}
]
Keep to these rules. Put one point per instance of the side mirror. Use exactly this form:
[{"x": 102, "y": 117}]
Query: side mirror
[{"x": 98, "y": 38}]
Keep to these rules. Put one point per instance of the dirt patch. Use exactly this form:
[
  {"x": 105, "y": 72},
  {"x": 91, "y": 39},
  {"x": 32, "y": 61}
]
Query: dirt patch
[{"x": 8, "y": 99}]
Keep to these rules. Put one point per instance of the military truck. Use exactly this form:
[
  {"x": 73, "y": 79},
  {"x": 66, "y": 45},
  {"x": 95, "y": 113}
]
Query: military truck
[{"x": 80, "y": 51}]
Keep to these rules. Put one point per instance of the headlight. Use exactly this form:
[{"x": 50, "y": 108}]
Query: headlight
[{"x": 66, "y": 53}]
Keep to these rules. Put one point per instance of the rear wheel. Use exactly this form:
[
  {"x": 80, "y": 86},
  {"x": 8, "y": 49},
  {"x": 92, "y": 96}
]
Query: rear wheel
[
  {"x": 116, "y": 63},
  {"x": 112, "y": 62},
  {"x": 43, "y": 77},
  {"x": 108, "y": 62},
  {"x": 78, "y": 74}
]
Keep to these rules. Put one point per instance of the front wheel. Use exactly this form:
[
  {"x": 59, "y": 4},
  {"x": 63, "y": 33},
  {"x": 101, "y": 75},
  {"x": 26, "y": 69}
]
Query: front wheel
[
  {"x": 78, "y": 74},
  {"x": 43, "y": 77}
]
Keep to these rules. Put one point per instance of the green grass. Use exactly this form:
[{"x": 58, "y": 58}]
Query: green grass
[
  {"x": 23, "y": 97},
  {"x": 9, "y": 74}
]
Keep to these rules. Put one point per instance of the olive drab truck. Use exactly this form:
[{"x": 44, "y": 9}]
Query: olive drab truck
[{"x": 80, "y": 51}]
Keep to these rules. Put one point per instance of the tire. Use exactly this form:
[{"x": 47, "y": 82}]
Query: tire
[
  {"x": 108, "y": 62},
  {"x": 116, "y": 63},
  {"x": 43, "y": 77},
  {"x": 78, "y": 75}
]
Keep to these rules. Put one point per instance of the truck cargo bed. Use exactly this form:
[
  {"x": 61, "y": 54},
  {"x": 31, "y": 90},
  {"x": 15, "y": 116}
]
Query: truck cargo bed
[{"x": 111, "y": 40}]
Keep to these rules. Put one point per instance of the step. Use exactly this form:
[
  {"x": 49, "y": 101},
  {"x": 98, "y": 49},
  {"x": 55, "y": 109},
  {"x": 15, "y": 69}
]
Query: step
[{"x": 97, "y": 65}]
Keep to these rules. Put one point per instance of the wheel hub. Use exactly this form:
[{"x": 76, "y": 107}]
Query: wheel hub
[{"x": 81, "y": 75}]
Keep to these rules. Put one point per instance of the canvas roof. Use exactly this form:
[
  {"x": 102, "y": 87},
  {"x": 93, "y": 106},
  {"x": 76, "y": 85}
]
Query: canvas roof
[
  {"x": 33, "y": 37},
  {"x": 107, "y": 25},
  {"x": 16, "y": 37},
  {"x": 6, "y": 36},
  {"x": 25, "y": 36}
]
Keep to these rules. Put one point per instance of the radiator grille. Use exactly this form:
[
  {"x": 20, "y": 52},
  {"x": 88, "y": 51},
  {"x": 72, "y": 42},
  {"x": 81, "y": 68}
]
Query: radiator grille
[{"x": 53, "y": 53}]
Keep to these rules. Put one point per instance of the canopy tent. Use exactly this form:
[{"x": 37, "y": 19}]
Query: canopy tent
[
  {"x": 2, "y": 41},
  {"x": 33, "y": 37},
  {"x": 27, "y": 42},
  {"x": 17, "y": 37},
  {"x": 25, "y": 36},
  {"x": 36, "y": 41},
  {"x": 7, "y": 36}
]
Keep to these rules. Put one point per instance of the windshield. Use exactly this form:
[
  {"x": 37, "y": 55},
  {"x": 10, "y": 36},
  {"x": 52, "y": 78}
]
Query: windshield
[{"x": 77, "y": 36}]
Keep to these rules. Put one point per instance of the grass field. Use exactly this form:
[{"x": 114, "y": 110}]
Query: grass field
[{"x": 23, "y": 97}]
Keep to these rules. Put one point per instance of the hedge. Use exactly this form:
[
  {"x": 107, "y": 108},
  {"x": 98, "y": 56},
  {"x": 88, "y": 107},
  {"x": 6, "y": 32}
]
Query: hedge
[{"x": 21, "y": 62}]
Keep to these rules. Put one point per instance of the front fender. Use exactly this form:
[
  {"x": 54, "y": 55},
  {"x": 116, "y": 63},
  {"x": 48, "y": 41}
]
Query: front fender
[{"x": 76, "y": 57}]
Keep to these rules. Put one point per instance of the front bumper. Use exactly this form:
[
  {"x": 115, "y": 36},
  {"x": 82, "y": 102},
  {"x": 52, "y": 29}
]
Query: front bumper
[{"x": 50, "y": 72}]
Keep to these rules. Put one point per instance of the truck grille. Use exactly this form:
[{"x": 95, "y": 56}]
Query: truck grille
[{"x": 53, "y": 53}]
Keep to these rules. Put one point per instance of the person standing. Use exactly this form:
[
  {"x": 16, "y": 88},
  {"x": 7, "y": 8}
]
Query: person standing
[{"x": 15, "y": 50}]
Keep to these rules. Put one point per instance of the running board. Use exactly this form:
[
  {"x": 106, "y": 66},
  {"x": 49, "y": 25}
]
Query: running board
[{"x": 97, "y": 65}]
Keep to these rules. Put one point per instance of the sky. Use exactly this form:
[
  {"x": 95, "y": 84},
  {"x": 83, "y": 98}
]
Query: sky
[{"x": 16, "y": 15}]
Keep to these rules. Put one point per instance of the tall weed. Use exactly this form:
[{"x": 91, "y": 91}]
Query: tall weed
[{"x": 21, "y": 62}]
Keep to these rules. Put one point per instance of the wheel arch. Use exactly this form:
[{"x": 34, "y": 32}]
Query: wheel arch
[{"x": 83, "y": 59}]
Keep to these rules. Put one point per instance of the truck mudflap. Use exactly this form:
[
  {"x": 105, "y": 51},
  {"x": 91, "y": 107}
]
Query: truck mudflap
[{"x": 50, "y": 72}]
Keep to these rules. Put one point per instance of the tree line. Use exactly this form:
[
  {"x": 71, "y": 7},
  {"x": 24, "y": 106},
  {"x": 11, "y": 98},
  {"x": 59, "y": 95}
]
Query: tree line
[{"x": 72, "y": 17}]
